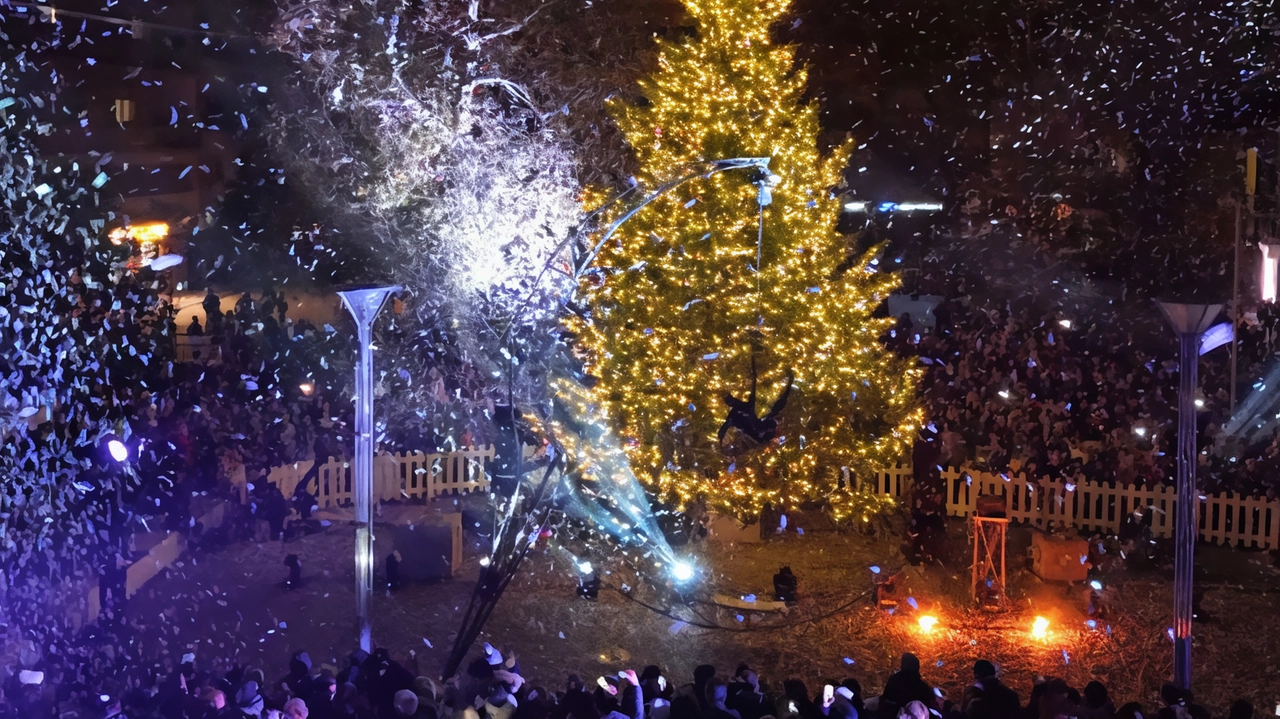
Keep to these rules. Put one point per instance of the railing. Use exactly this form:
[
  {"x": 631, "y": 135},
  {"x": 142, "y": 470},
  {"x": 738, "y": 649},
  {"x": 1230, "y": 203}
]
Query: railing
[
  {"x": 196, "y": 348},
  {"x": 1224, "y": 518},
  {"x": 415, "y": 475}
]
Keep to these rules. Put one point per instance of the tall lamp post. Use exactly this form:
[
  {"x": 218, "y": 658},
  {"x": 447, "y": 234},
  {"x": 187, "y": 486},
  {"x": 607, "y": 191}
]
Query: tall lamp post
[
  {"x": 1190, "y": 322},
  {"x": 364, "y": 306}
]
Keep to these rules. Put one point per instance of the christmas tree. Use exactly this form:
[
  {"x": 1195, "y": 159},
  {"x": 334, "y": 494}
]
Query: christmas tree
[{"x": 733, "y": 342}]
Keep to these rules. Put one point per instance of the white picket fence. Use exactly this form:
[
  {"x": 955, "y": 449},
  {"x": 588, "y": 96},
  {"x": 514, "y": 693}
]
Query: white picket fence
[
  {"x": 395, "y": 476},
  {"x": 1224, "y": 518}
]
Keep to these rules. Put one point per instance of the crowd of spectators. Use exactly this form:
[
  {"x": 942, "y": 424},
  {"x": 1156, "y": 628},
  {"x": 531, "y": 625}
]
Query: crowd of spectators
[
  {"x": 1054, "y": 396},
  {"x": 103, "y": 679},
  {"x": 199, "y": 419},
  {"x": 190, "y": 429}
]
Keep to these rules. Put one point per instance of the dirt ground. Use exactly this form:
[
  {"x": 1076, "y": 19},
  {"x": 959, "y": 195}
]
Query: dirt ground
[{"x": 232, "y": 603}]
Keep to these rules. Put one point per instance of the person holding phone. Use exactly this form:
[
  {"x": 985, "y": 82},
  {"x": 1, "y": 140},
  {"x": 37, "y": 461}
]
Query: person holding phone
[{"x": 837, "y": 703}]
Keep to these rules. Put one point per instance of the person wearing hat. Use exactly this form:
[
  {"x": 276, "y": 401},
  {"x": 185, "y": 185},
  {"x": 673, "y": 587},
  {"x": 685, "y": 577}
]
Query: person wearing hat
[
  {"x": 914, "y": 710},
  {"x": 988, "y": 697},
  {"x": 248, "y": 701},
  {"x": 387, "y": 678},
  {"x": 500, "y": 704},
  {"x": 354, "y": 672},
  {"x": 745, "y": 696},
  {"x": 299, "y": 682},
  {"x": 295, "y": 708},
  {"x": 406, "y": 703}
]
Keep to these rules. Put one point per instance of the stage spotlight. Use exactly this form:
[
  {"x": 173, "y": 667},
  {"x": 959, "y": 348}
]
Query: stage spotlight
[
  {"x": 119, "y": 452},
  {"x": 927, "y": 623},
  {"x": 682, "y": 571}
]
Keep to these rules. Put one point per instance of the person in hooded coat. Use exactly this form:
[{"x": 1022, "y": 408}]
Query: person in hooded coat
[
  {"x": 387, "y": 678},
  {"x": 299, "y": 681},
  {"x": 854, "y": 694},
  {"x": 248, "y": 701},
  {"x": 905, "y": 686},
  {"x": 1097, "y": 703},
  {"x": 988, "y": 697},
  {"x": 745, "y": 696},
  {"x": 354, "y": 672}
]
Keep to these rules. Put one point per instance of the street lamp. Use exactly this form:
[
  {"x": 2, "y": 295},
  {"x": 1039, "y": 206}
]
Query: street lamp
[
  {"x": 364, "y": 306},
  {"x": 1190, "y": 322}
]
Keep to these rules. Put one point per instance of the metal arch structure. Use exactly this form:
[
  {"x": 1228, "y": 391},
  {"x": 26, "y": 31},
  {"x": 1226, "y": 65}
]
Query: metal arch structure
[
  {"x": 583, "y": 262},
  {"x": 515, "y": 529},
  {"x": 718, "y": 166}
]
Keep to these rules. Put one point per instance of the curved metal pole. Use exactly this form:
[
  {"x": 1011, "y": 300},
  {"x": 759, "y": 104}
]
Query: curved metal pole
[
  {"x": 738, "y": 163},
  {"x": 708, "y": 169}
]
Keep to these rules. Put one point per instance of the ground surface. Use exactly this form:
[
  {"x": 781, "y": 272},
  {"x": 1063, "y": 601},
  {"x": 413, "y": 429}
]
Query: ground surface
[{"x": 233, "y": 603}]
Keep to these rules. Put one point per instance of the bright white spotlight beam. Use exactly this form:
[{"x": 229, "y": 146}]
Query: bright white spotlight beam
[{"x": 682, "y": 571}]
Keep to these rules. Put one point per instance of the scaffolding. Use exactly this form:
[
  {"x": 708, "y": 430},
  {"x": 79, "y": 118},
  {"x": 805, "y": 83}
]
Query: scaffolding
[{"x": 989, "y": 561}]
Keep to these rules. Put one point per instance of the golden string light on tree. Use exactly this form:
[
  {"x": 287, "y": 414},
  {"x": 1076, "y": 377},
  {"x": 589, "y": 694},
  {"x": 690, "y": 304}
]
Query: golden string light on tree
[{"x": 681, "y": 319}]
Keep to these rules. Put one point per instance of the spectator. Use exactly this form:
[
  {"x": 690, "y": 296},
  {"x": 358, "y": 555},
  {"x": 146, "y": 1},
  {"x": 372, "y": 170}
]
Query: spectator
[
  {"x": 988, "y": 697},
  {"x": 905, "y": 686}
]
